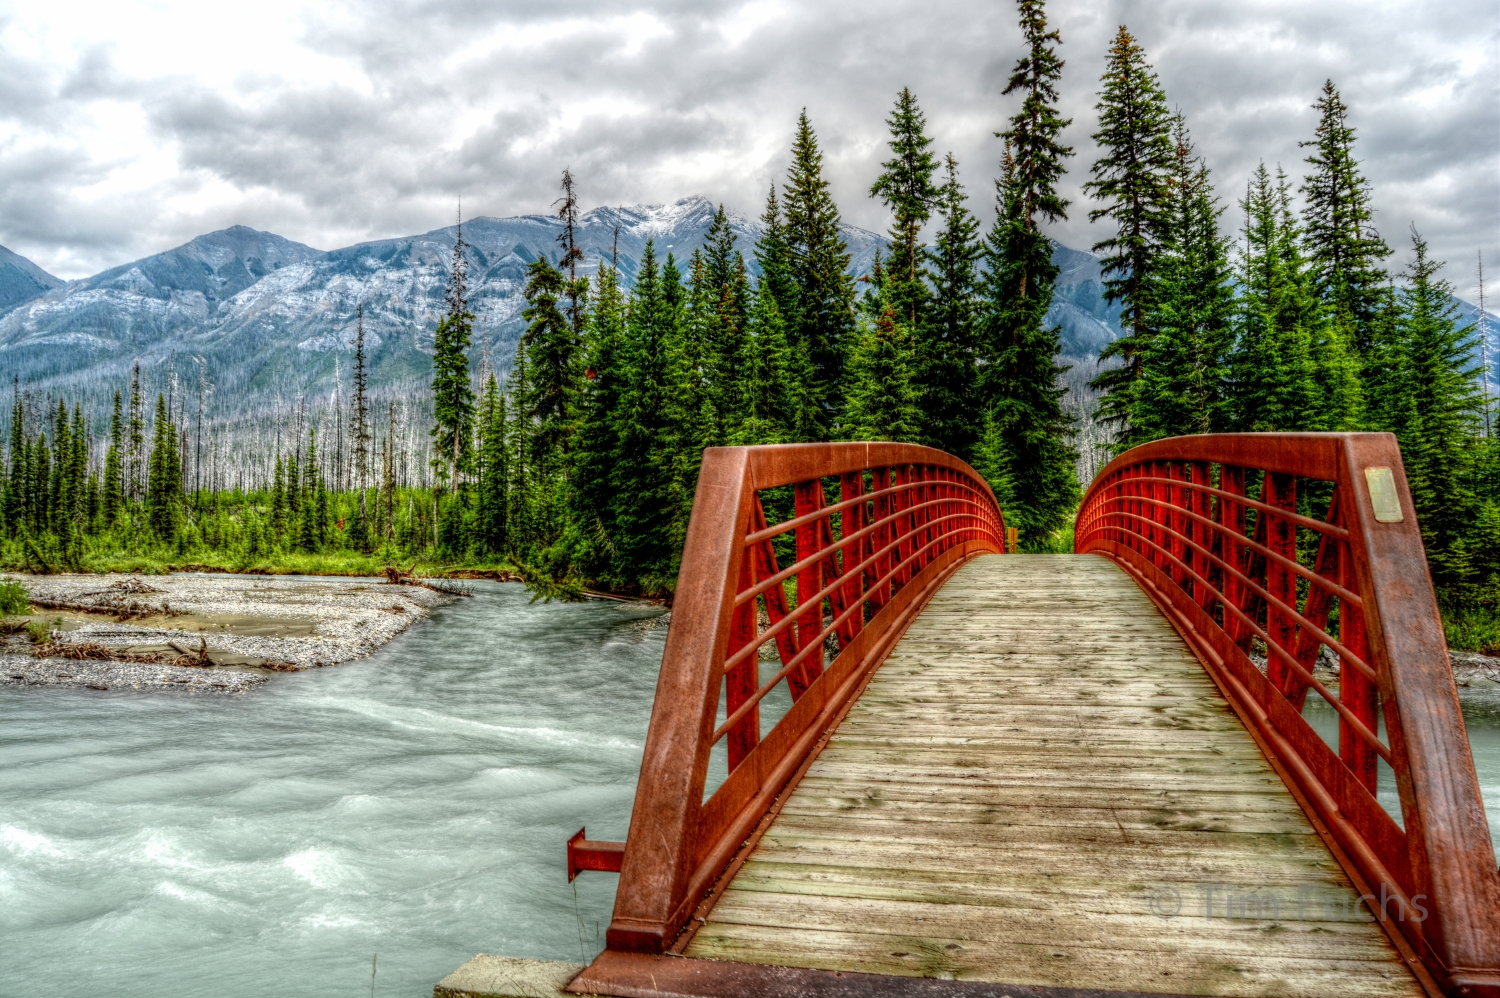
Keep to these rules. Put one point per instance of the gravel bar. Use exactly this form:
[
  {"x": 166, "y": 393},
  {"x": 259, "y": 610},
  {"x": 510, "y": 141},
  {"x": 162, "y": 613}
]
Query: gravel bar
[{"x": 239, "y": 621}]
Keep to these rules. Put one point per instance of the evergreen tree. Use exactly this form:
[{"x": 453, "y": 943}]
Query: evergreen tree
[
  {"x": 880, "y": 402},
  {"x": 1436, "y": 408},
  {"x": 597, "y": 440},
  {"x": 164, "y": 486},
  {"x": 114, "y": 482},
  {"x": 548, "y": 397},
  {"x": 13, "y": 506},
  {"x": 945, "y": 362},
  {"x": 1132, "y": 177},
  {"x": 359, "y": 533},
  {"x": 819, "y": 263},
  {"x": 1185, "y": 367},
  {"x": 906, "y": 188},
  {"x": 1026, "y": 452},
  {"x": 1274, "y": 371},
  {"x": 773, "y": 255},
  {"x": 491, "y": 518},
  {"x": 768, "y": 413},
  {"x": 1346, "y": 250},
  {"x": 452, "y": 396},
  {"x": 646, "y": 430},
  {"x": 577, "y": 288},
  {"x": 278, "y": 502},
  {"x": 135, "y": 488},
  {"x": 309, "y": 526}
]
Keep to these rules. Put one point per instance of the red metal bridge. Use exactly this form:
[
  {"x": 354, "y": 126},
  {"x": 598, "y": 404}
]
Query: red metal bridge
[{"x": 1216, "y": 751}]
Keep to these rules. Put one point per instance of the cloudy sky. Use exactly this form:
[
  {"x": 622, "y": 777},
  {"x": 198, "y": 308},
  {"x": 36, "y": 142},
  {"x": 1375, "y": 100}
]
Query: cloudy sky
[{"x": 129, "y": 126}]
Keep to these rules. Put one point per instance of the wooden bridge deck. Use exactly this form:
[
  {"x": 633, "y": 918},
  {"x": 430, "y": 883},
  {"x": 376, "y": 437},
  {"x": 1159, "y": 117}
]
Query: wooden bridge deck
[{"x": 1038, "y": 774}]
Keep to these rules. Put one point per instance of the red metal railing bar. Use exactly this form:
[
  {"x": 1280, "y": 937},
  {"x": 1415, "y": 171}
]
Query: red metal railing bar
[
  {"x": 786, "y": 573},
  {"x": 791, "y": 666},
  {"x": 781, "y": 625},
  {"x": 1287, "y": 657},
  {"x": 1320, "y": 526},
  {"x": 1244, "y": 541},
  {"x": 1321, "y": 636}
]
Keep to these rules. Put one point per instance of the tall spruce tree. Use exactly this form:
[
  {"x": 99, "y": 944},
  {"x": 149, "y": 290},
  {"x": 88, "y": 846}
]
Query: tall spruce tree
[
  {"x": 164, "y": 486},
  {"x": 1132, "y": 177},
  {"x": 880, "y": 401},
  {"x": 597, "y": 439},
  {"x": 492, "y": 507},
  {"x": 1027, "y": 451},
  {"x": 577, "y": 289},
  {"x": 135, "y": 486},
  {"x": 548, "y": 397},
  {"x": 905, "y": 187},
  {"x": 1434, "y": 408},
  {"x": 114, "y": 481},
  {"x": 359, "y": 532},
  {"x": 945, "y": 363},
  {"x": 646, "y": 429},
  {"x": 1339, "y": 230},
  {"x": 452, "y": 396},
  {"x": 1274, "y": 371},
  {"x": 1182, "y": 388},
  {"x": 819, "y": 260}
]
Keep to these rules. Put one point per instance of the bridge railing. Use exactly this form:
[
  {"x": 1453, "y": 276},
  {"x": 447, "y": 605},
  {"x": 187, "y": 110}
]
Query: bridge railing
[
  {"x": 1283, "y": 545},
  {"x": 854, "y": 568}
]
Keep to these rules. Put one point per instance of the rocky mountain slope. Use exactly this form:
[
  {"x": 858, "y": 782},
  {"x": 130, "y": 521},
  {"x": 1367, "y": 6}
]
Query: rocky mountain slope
[
  {"x": 270, "y": 318},
  {"x": 21, "y": 280}
]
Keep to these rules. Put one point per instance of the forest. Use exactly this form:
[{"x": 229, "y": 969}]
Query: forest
[{"x": 574, "y": 466}]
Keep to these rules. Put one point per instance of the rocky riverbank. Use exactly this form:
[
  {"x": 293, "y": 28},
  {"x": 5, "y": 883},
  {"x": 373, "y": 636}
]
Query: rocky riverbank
[{"x": 203, "y": 633}]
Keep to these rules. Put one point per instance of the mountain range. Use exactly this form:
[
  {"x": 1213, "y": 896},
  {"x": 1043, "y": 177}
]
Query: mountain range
[{"x": 270, "y": 319}]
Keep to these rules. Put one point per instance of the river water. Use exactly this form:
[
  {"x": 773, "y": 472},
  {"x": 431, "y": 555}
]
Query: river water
[{"x": 413, "y": 805}]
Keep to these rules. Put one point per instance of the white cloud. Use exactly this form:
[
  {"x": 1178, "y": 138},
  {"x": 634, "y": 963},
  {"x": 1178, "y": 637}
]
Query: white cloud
[{"x": 129, "y": 127}]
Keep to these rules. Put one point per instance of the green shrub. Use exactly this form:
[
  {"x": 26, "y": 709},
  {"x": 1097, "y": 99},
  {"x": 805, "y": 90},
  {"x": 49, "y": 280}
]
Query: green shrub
[{"x": 13, "y": 599}]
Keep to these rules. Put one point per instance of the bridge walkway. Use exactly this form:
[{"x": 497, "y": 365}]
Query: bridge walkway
[{"x": 1042, "y": 786}]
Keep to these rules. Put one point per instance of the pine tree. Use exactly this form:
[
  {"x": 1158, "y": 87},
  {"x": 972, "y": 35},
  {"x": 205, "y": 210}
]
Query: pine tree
[
  {"x": 767, "y": 412},
  {"x": 1026, "y": 448},
  {"x": 452, "y": 396},
  {"x": 1185, "y": 367},
  {"x": 880, "y": 401},
  {"x": 548, "y": 397},
  {"x": 1024, "y": 451},
  {"x": 490, "y": 516},
  {"x": 577, "y": 288},
  {"x": 135, "y": 487},
  {"x": 717, "y": 327},
  {"x": 1132, "y": 177},
  {"x": 1436, "y": 408},
  {"x": 1341, "y": 239},
  {"x": 13, "y": 506},
  {"x": 644, "y": 471},
  {"x": 1274, "y": 372},
  {"x": 164, "y": 486},
  {"x": 114, "y": 482},
  {"x": 278, "y": 502},
  {"x": 597, "y": 441},
  {"x": 309, "y": 527},
  {"x": 945, "y": 374},
  {"x": 359, "y": 532},
  {"x": 906, "y": 188},
  {"x": 819, "y": 262}
]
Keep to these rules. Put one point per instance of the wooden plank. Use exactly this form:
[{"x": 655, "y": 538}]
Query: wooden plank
[{"x": 1037, "y": 765}]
